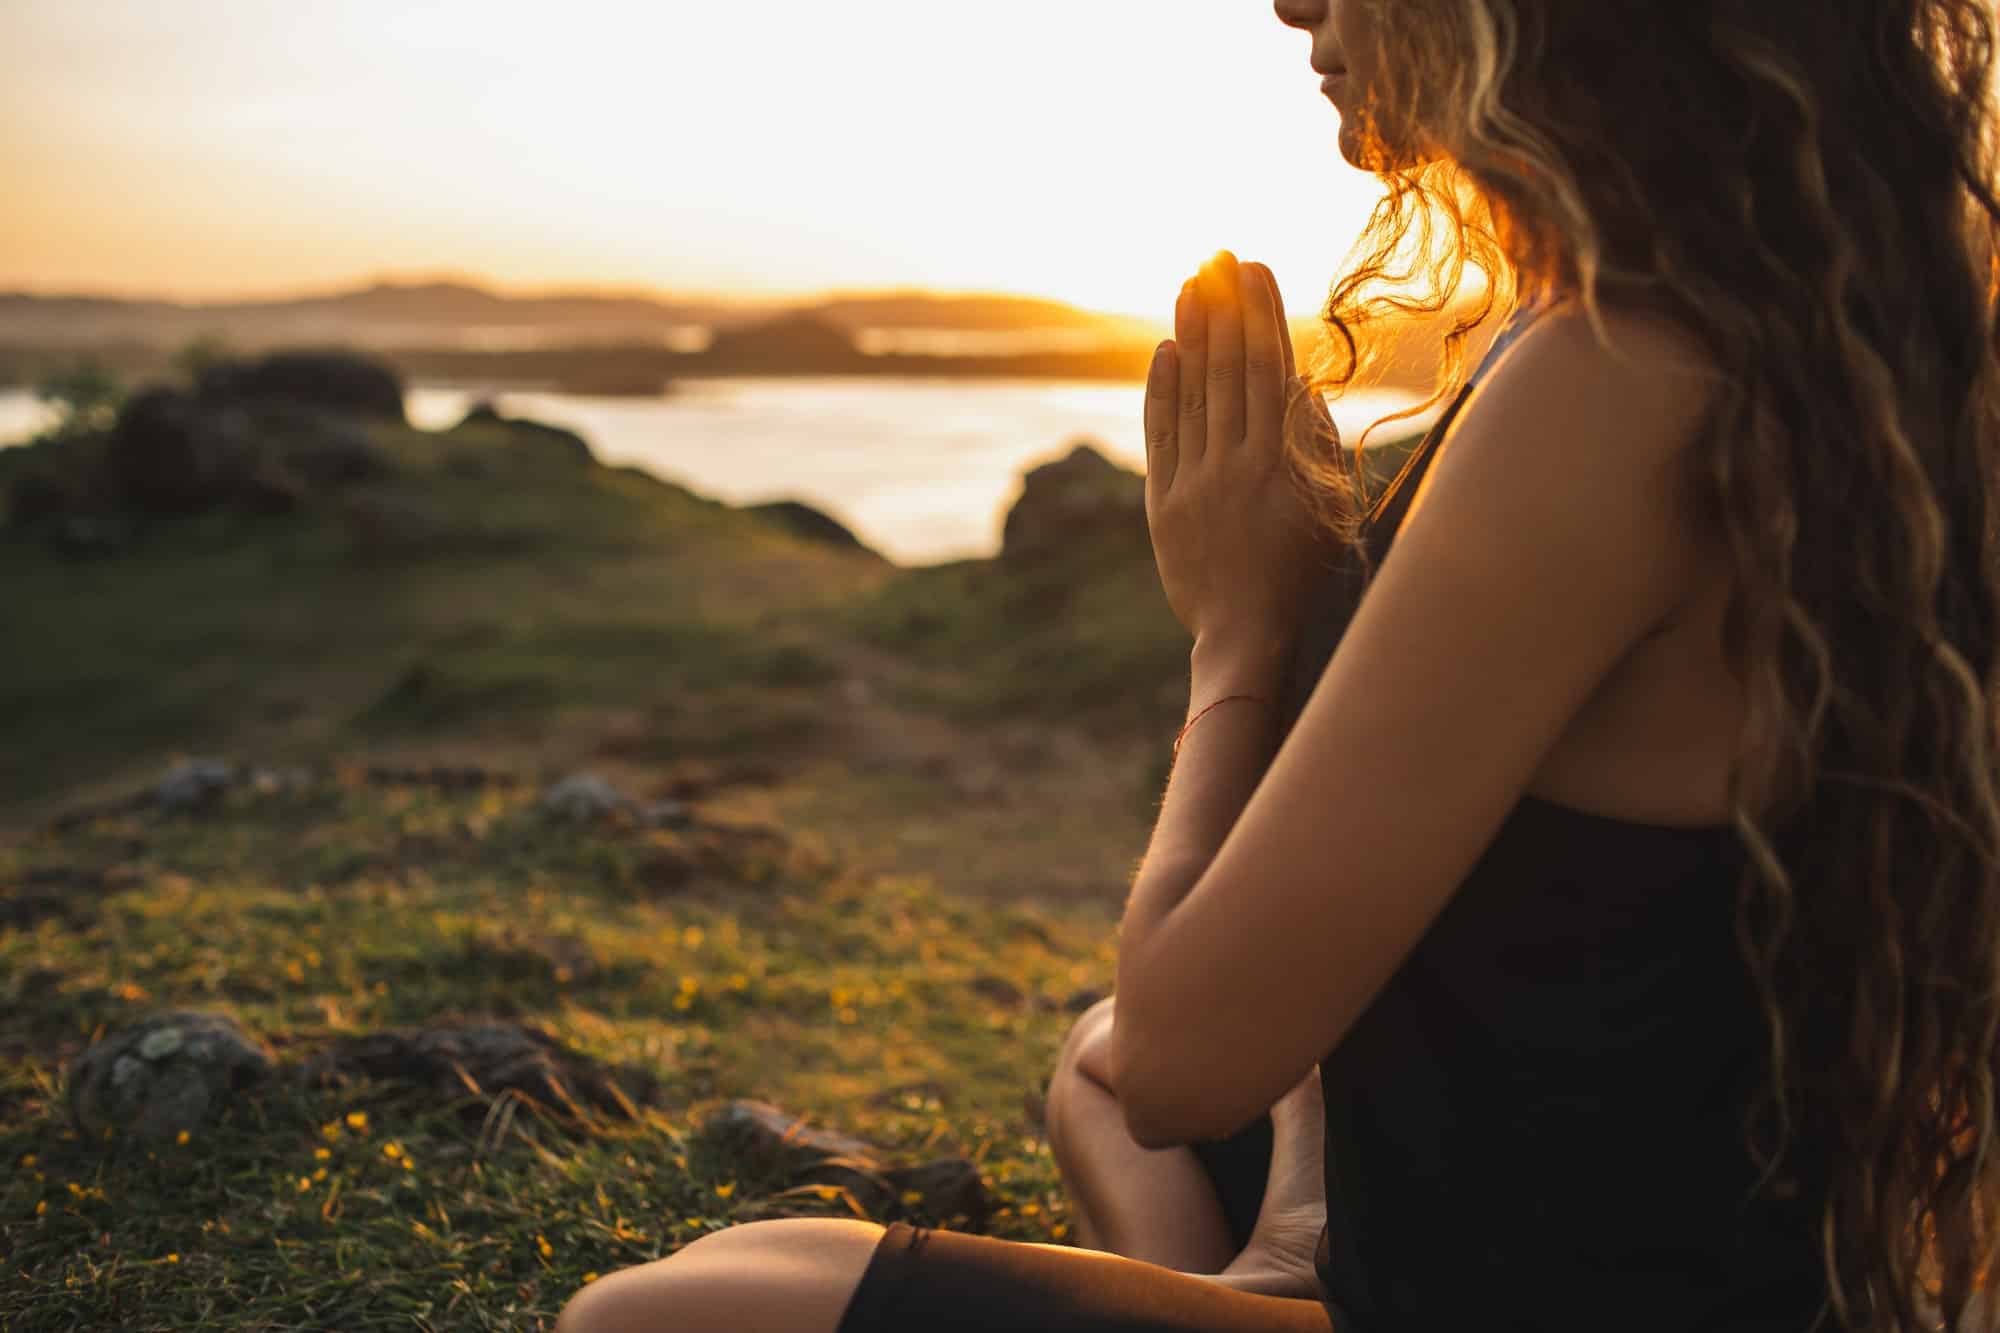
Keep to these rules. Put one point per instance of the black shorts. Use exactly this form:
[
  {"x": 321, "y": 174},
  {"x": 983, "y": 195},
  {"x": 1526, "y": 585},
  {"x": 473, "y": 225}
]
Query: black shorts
[{"x": 922, "y": 1279}]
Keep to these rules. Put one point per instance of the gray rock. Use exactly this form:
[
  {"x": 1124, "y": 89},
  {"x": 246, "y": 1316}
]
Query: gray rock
[
  {"x": 582, "y": 798},
  {"x": 168, "y": 1072},
  {"x": 194, "y": 784}
]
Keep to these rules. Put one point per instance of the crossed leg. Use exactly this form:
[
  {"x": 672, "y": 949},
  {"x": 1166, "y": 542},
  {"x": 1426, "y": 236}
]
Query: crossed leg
[{"x": 800, "y": 1275}]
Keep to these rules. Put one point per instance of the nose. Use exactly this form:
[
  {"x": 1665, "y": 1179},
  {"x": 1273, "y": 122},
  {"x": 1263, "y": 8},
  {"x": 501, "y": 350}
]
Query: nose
[{"x": 1299, "y": 13}]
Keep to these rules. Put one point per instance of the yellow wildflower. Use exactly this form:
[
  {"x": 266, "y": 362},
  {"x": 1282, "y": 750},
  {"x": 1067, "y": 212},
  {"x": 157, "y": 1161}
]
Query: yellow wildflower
[
  {"x": 683, "y": 1002},
  {"x": 181, "y": 1137},
  {"x": 173, "y": 1258},
  {"x": 392, "y": 1149},
  {"x": 28, "y": 1160},
  {"x": 1059, "y": 1230},
  {"x": 737, "y": 981},
  {"x": 689, "y": 984},
  {"x": 41, "y": 1207},
  {"x": 408, "y": 1165},
  {"x": 357, "y": 1120},
  {"x": 913, "y": 1196},
  {"x": 726, "y": 1190},
  {"x": 589, "y": 1277},
  {"x": 321, "y": 1154},
  {"x": 305, "y": 1183},
  {"x": 542, "y": 1244},
  {"x": 691, "y": 937}
]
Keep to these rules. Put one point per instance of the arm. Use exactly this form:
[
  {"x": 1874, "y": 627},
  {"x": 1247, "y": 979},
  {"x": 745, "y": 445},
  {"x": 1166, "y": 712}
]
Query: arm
[{"x": 1270, "y": 909}]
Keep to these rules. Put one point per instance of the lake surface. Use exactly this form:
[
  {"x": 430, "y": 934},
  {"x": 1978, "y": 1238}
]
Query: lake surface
[{"x": 922, "y": 470}]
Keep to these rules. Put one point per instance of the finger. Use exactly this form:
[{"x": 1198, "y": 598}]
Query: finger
[
  {"x": 1284, "y": 325},
  {"x": 1218, "y": 283},
  {"x": 1191, "y": 358},
  {"x": 1163, "y": 396},
  {"x": 1264, "y": 383}
]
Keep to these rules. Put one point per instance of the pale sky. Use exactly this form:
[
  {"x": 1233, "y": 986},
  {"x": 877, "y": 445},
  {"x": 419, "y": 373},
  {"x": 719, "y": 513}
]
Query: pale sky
[{"x": 1090, "y": 150}]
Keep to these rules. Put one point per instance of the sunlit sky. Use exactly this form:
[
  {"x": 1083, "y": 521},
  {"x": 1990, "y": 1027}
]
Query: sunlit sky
[{"x": 1086, "y": 150}]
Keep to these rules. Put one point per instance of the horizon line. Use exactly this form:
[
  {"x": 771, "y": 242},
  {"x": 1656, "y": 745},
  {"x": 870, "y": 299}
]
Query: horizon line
[{"x": 393, "y": 279}]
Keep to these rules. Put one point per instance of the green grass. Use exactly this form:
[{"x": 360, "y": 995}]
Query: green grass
[
  {"x": 780, "y": 974},
  {"x": 489, "y": 586}
]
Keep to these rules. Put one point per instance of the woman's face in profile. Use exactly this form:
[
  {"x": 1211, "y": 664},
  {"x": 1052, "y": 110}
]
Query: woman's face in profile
[{"x": 1343, "y": 54}]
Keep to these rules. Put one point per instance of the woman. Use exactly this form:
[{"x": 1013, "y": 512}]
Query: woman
[{"x": 1620, "y": 910}]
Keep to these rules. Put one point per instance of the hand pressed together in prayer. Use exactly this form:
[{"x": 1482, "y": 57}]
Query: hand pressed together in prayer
[{"x": 1234, "y": 539}]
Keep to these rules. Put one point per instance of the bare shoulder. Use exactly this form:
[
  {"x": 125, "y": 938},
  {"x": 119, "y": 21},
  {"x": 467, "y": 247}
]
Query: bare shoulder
[{"x": 1584, "y": 410}]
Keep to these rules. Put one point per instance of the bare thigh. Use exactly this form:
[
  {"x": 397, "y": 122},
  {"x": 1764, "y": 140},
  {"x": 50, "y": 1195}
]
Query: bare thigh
[{"x": 785, "y": 1275}]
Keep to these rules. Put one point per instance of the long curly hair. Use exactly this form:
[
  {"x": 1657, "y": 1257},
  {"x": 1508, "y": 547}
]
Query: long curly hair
[{"x": 1808, "y": 187}]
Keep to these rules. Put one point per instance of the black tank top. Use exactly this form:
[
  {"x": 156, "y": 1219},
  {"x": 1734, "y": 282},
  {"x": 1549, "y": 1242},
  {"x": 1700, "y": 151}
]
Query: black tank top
[{"x": 1537, "y": 1123}]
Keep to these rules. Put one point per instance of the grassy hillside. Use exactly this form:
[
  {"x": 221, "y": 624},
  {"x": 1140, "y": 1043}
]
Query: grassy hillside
[{"x": 913, "y": 802}]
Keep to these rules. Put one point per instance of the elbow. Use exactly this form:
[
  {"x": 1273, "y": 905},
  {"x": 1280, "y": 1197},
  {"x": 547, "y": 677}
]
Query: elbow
[{"x": 1153, "y": 1120}]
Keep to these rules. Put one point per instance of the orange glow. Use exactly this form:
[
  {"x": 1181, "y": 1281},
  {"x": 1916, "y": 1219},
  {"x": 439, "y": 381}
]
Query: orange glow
[{"x": 1094, "y": 154}]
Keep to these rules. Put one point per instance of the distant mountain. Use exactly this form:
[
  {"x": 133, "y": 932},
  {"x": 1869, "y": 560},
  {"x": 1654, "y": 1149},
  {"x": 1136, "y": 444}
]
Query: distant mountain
[{"x": 390, "y": 314}]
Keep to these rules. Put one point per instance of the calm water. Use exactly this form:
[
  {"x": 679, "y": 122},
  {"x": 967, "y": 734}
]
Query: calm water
[{"x": 922, "y": 470}]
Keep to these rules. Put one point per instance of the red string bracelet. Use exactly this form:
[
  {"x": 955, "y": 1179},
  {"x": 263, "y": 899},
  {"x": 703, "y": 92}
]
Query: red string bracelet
[{"x": 1204, "y": 713}]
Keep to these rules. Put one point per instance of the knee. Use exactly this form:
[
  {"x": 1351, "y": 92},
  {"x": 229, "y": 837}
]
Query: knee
[
  {"x": 1086, "y": 1047},
  {"x": 1082, "y": 1057}
]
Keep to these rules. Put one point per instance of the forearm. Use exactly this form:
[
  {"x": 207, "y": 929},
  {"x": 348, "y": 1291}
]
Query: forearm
[{"x": 1222, "y": 759}]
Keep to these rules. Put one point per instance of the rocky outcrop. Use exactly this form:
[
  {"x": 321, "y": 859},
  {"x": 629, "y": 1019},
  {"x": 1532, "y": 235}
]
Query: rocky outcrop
[
  {"x": 1081, "y": 498},
  {"x": 337, "y": 383}
]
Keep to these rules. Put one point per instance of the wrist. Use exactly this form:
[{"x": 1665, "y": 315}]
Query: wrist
[{"x": 1246, "y": 661}]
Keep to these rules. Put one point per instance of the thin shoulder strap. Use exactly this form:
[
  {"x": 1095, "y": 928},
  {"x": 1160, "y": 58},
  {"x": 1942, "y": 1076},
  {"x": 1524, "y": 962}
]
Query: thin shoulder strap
[{"x": 1385, "y": 515}]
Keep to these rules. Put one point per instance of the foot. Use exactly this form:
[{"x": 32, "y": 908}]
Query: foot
[{"x": 1278, "y": 1261}]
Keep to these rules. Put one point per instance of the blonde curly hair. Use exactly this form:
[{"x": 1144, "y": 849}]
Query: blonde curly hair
[{"x": 1807, "y": 186}]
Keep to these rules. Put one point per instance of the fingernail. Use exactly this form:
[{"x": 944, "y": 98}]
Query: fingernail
[{"x": 1160, "y": 356}]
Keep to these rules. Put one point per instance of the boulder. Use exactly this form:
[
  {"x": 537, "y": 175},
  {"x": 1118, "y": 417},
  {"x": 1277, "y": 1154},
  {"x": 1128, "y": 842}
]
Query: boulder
[
  {"x": 168, "y": 1072},
  {"x": 341, "y": 383},
  {"x": 1080, "y": 498}
]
